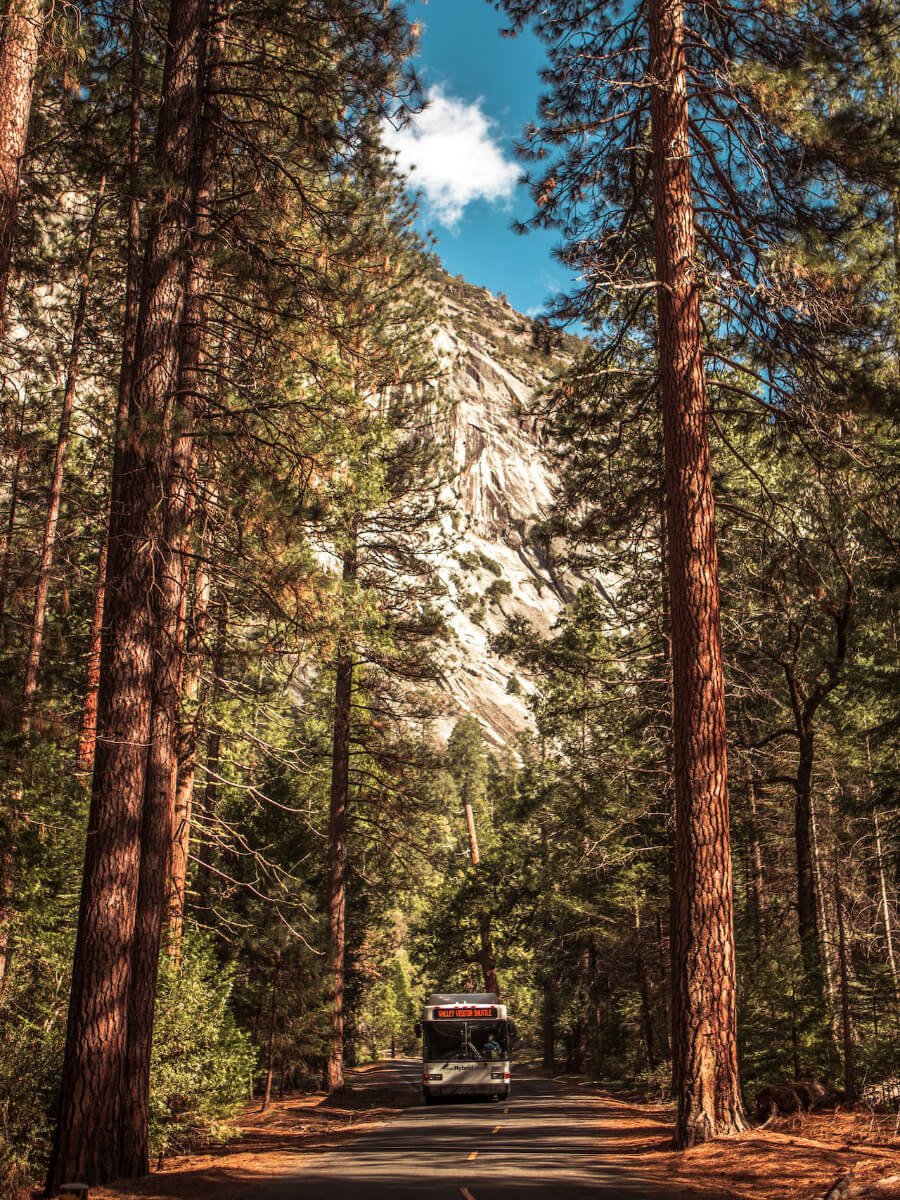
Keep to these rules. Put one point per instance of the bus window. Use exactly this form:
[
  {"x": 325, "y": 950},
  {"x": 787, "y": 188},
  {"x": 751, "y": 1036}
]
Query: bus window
[{"x": 460, "y": 1040}]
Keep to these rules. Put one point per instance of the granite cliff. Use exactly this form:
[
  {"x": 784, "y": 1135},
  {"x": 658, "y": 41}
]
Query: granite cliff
[{"x": 503, "y": 479}]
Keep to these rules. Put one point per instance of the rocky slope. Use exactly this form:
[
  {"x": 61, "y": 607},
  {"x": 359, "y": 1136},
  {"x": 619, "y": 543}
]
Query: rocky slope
[{"x": 503, "y": 481}]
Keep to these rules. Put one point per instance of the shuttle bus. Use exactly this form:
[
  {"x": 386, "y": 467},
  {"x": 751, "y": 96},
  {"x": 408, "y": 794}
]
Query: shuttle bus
[{"x": 465, "y": 1046}]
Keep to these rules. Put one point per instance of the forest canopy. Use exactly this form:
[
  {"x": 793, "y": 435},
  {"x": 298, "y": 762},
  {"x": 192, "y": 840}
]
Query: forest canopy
[{"x": 254, "y": 808}]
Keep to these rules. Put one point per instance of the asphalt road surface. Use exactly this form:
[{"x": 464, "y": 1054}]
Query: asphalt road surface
[{"x": 540, "y": 1143}]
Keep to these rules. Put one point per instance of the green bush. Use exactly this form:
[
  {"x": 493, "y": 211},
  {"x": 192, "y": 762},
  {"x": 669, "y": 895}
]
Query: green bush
[
  {"x": 30, "y": 1053},
  {"x": 497, "y": 590},
  {"x": 490, "y": 564},
  {"x": 201, "y": 1060}
]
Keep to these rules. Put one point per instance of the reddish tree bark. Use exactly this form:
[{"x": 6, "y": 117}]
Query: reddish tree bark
[
  {"x": 187, "y": 762},
  {"x": 20, "y": 39},
  {"x": 170, "y": 571},
  {"x": 84, "y": 758},
  {"x": 88, "y": 1138},
  {"x": 335, "y": 896},
  {"x": 470, "y": 830},
  {"x": 706, "y": 1072},
  {"x": 29, "y": 689}
]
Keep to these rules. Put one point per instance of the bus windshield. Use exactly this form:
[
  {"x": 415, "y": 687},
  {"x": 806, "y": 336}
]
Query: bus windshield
[{"x": 458, "y": 1040}]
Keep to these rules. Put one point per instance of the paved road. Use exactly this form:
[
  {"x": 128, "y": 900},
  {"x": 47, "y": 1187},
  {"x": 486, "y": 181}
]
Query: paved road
[{"x": 541, "y": 1143}]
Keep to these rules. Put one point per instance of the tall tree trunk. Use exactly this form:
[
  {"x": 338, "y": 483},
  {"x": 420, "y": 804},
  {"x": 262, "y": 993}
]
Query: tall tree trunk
[
  {"x": 335, "y": 898},
  {"x": 273, "y": 1025},
  {"x": 9, "y": 814},
  {"x": 20, "y": 39},
  {"x": 582, "y": 1001},
  {"x": 885, "y": 907},
  {"x": 807, "y": 915},
  {"x": 709, "y": 1098},
  {"x": 826, "y": 942},
  {"x": 846, "y": 1021},
  {"x": 88, "y": 1140},
  {"x": 665, "y": 982},
  {"x": 158, "y": 819},
  {"x": 470, "y": 828},
  {"x": 548, "y": 1023},
  {"x": 11, "y": 513},
  {"x": 213, "y": 753},
  {"x": 486, "y": 945},
  {"x": 187, "y": 762},
  {"x": 879, "y": 854},
  {"x": 596, "y": 1009},
  {"x": 85, "y": 753},
  {"x": 760, "y": 918},
  {"x": 29, "y": 689},
  {"x": 640, "y": 968}
]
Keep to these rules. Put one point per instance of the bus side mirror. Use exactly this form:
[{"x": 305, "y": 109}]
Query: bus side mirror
[
  {"x": 418, "y": 1028},
  {"x": 511, "y": 1029}
]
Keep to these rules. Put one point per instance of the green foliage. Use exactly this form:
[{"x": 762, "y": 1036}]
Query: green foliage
[
  {"x": 497, "y": 590},
  {"x": 201, "y": 1060}
]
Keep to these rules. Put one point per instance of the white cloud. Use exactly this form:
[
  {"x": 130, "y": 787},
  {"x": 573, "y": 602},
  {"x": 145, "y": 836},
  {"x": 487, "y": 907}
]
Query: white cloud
[{"x": 451, "y": 151}]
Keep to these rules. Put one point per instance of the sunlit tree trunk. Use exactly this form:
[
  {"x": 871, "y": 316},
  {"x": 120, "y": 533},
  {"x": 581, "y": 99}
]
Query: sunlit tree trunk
[
  {"x": 21, "y": 26},
  {"x": 706, "y": 1071}
]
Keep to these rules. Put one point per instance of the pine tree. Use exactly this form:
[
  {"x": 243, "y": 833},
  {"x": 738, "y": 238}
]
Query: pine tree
[{"x": 20, "y": 39}]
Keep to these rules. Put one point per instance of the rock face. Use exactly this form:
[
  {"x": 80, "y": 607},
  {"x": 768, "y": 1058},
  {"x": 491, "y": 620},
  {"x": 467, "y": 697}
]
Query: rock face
[{"x": 503, "y": 481}]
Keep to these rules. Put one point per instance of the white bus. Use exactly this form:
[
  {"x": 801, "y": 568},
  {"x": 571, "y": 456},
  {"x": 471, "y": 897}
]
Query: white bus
[{"x": 465, "y": 1046}]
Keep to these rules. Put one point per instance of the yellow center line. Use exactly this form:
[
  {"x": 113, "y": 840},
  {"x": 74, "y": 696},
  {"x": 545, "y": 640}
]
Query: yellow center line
[
  {"x": 496, "y": 1129},
  {"x": 466, "y": 1194},
  {"x": 474, "y": 1154}
]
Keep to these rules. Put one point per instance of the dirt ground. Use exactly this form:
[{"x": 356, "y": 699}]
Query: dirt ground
[{"x": 795, "y": 1158}]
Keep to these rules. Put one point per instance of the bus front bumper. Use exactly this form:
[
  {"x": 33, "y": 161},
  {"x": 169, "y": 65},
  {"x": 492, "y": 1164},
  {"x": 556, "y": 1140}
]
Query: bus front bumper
[{"x": 499, "y": 1088}]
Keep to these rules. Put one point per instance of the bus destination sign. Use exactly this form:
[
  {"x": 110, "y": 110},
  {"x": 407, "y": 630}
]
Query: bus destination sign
[{"x": 468, "y": 1011}]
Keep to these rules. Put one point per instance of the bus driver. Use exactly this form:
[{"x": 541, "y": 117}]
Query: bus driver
[{"x": 492, "y": 1048}]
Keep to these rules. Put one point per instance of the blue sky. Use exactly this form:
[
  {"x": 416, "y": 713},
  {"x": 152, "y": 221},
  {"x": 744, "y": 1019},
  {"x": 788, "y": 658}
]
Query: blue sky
[{"x": 482, "y": 89}]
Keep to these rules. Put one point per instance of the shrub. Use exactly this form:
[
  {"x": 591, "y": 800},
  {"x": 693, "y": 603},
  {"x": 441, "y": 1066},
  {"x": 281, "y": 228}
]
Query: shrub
[
  {"x": 201, "y": 1060},
  {"x": 498, "y": 589}
]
